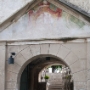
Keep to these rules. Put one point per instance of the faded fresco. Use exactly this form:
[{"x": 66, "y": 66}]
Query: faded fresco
[{"x": 46, "y": 21}]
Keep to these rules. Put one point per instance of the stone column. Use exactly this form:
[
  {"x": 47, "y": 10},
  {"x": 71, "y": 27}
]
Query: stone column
[
  {"x": 2, "y": 65},
  {"x": 88, "y": 65}
]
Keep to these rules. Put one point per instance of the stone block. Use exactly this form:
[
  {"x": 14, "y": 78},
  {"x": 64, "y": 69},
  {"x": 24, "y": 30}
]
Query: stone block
[
  {"x": 63, "y": 52},
  {"x": 15, "y": 49},
  {"x": 88, "y": 74},
  {"x": 88, "y": 62},
  {"x": 11, "y": 76},
  {"x": 71, "y": 58},
  {"x": 2, "y": 82},
  {"x": 2, "y": 43},
  {"x": 54, "y": 48},
  {"x": 13, "y": 67},
  {"x": 88, "y": 85},
  {"x": 78, "y": 66},
  {"x": 88, "y": 55},
  {"x": 22, "y": 47},
  {"x": 35, "y": 49},
  {"x": 80, "y": 76},
  {"x": 78, "y": 48},
  {"x": 19, "y": 59},
  {"x": 10, "y": 85},
  {"x": 27, "y": 53},
  {"x": 2, "y": 67},
  {"x": 80, "y": 85},
  {"x": 44, "y": 48},
  {"x": 2, "y": 72},
  {"x": 2, "y": 57}
]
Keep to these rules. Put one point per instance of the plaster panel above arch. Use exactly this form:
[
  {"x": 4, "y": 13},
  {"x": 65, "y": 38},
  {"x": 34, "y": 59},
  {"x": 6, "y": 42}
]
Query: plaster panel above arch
[{"x": 46, "y": 21}]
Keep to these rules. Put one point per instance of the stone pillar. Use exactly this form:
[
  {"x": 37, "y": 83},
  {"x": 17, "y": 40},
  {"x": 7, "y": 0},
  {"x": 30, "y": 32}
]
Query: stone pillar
[
  {"x": 88, "y": 65},
  {"x": 2, "y": 65}
]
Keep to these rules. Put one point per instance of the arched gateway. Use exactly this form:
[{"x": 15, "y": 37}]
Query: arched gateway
[{"x": 28, "y": 53}]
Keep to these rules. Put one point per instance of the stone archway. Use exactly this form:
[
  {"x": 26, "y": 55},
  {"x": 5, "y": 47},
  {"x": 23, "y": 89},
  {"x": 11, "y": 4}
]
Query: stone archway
[
  {"x": 30, "y": 52},
  {"x": 29, "y": 76}
]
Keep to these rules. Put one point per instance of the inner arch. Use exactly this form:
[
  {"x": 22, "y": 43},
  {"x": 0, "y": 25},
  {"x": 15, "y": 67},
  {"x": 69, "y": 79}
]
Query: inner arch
[{"x": 32, "y": 69}]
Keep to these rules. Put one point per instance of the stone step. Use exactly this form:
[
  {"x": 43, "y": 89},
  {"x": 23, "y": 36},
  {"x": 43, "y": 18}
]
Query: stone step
[
  {"x": 60, "y": 86},
  {"x": 55, "y": 84},
  {"x": 55, "y": 88}
]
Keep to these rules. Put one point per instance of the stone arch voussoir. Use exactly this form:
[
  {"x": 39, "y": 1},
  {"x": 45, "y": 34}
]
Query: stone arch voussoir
[{"x": 57, "y": 50}]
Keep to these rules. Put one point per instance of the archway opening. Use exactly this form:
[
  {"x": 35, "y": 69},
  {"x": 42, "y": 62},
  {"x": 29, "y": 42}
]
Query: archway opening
[{"x": 35, "y": 73}]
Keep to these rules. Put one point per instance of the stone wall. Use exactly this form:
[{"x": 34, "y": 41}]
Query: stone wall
[
  {"x": 2, "y": 65},
  {"x": 74, "y": 54},
  {"x": 88, "y": 66}
]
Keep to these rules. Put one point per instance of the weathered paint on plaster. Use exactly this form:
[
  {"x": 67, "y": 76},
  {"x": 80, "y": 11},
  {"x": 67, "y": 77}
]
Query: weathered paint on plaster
[
  {"x": 46, "y": 21},
  {"x": 10, "y": 7},
  {"x": 55, "y": 12},
  {"x": 42, "y": 8}
]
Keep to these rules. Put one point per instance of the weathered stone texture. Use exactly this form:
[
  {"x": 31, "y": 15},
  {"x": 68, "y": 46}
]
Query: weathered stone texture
[
  {"x": 11, "y": 85},
  {"x": 80, "y": 85},
  {"x": 44, "y": 48},
  {"x": 71, "y": 58},
  {"x": 63, "y": 52},
  {"x": 88, "y": 85},
  {"x": 79, "y": 65},
  {"x": 11, "y": 76},
  {"x": 8, "y": 8},
  {"x": 83, "y": 4},
  {"x": 88, "y": 66},
  {"x": 88, "y": 55},
  {"x": 19, "y": 59},
  {"x": 78, "y": 49},
  {"x": 15, "y": 49},
  {"x": 80, "y": 76},
  {"x": 27, "y": 53},
  {"x": 35, "y": 49},
  {"x": 2, "y": 67},
  {"x": 54, "y": 48}
]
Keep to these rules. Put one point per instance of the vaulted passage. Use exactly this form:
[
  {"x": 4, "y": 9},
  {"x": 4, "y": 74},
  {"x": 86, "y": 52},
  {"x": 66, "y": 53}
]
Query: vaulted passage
[{"x": 56, "y": 71}]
